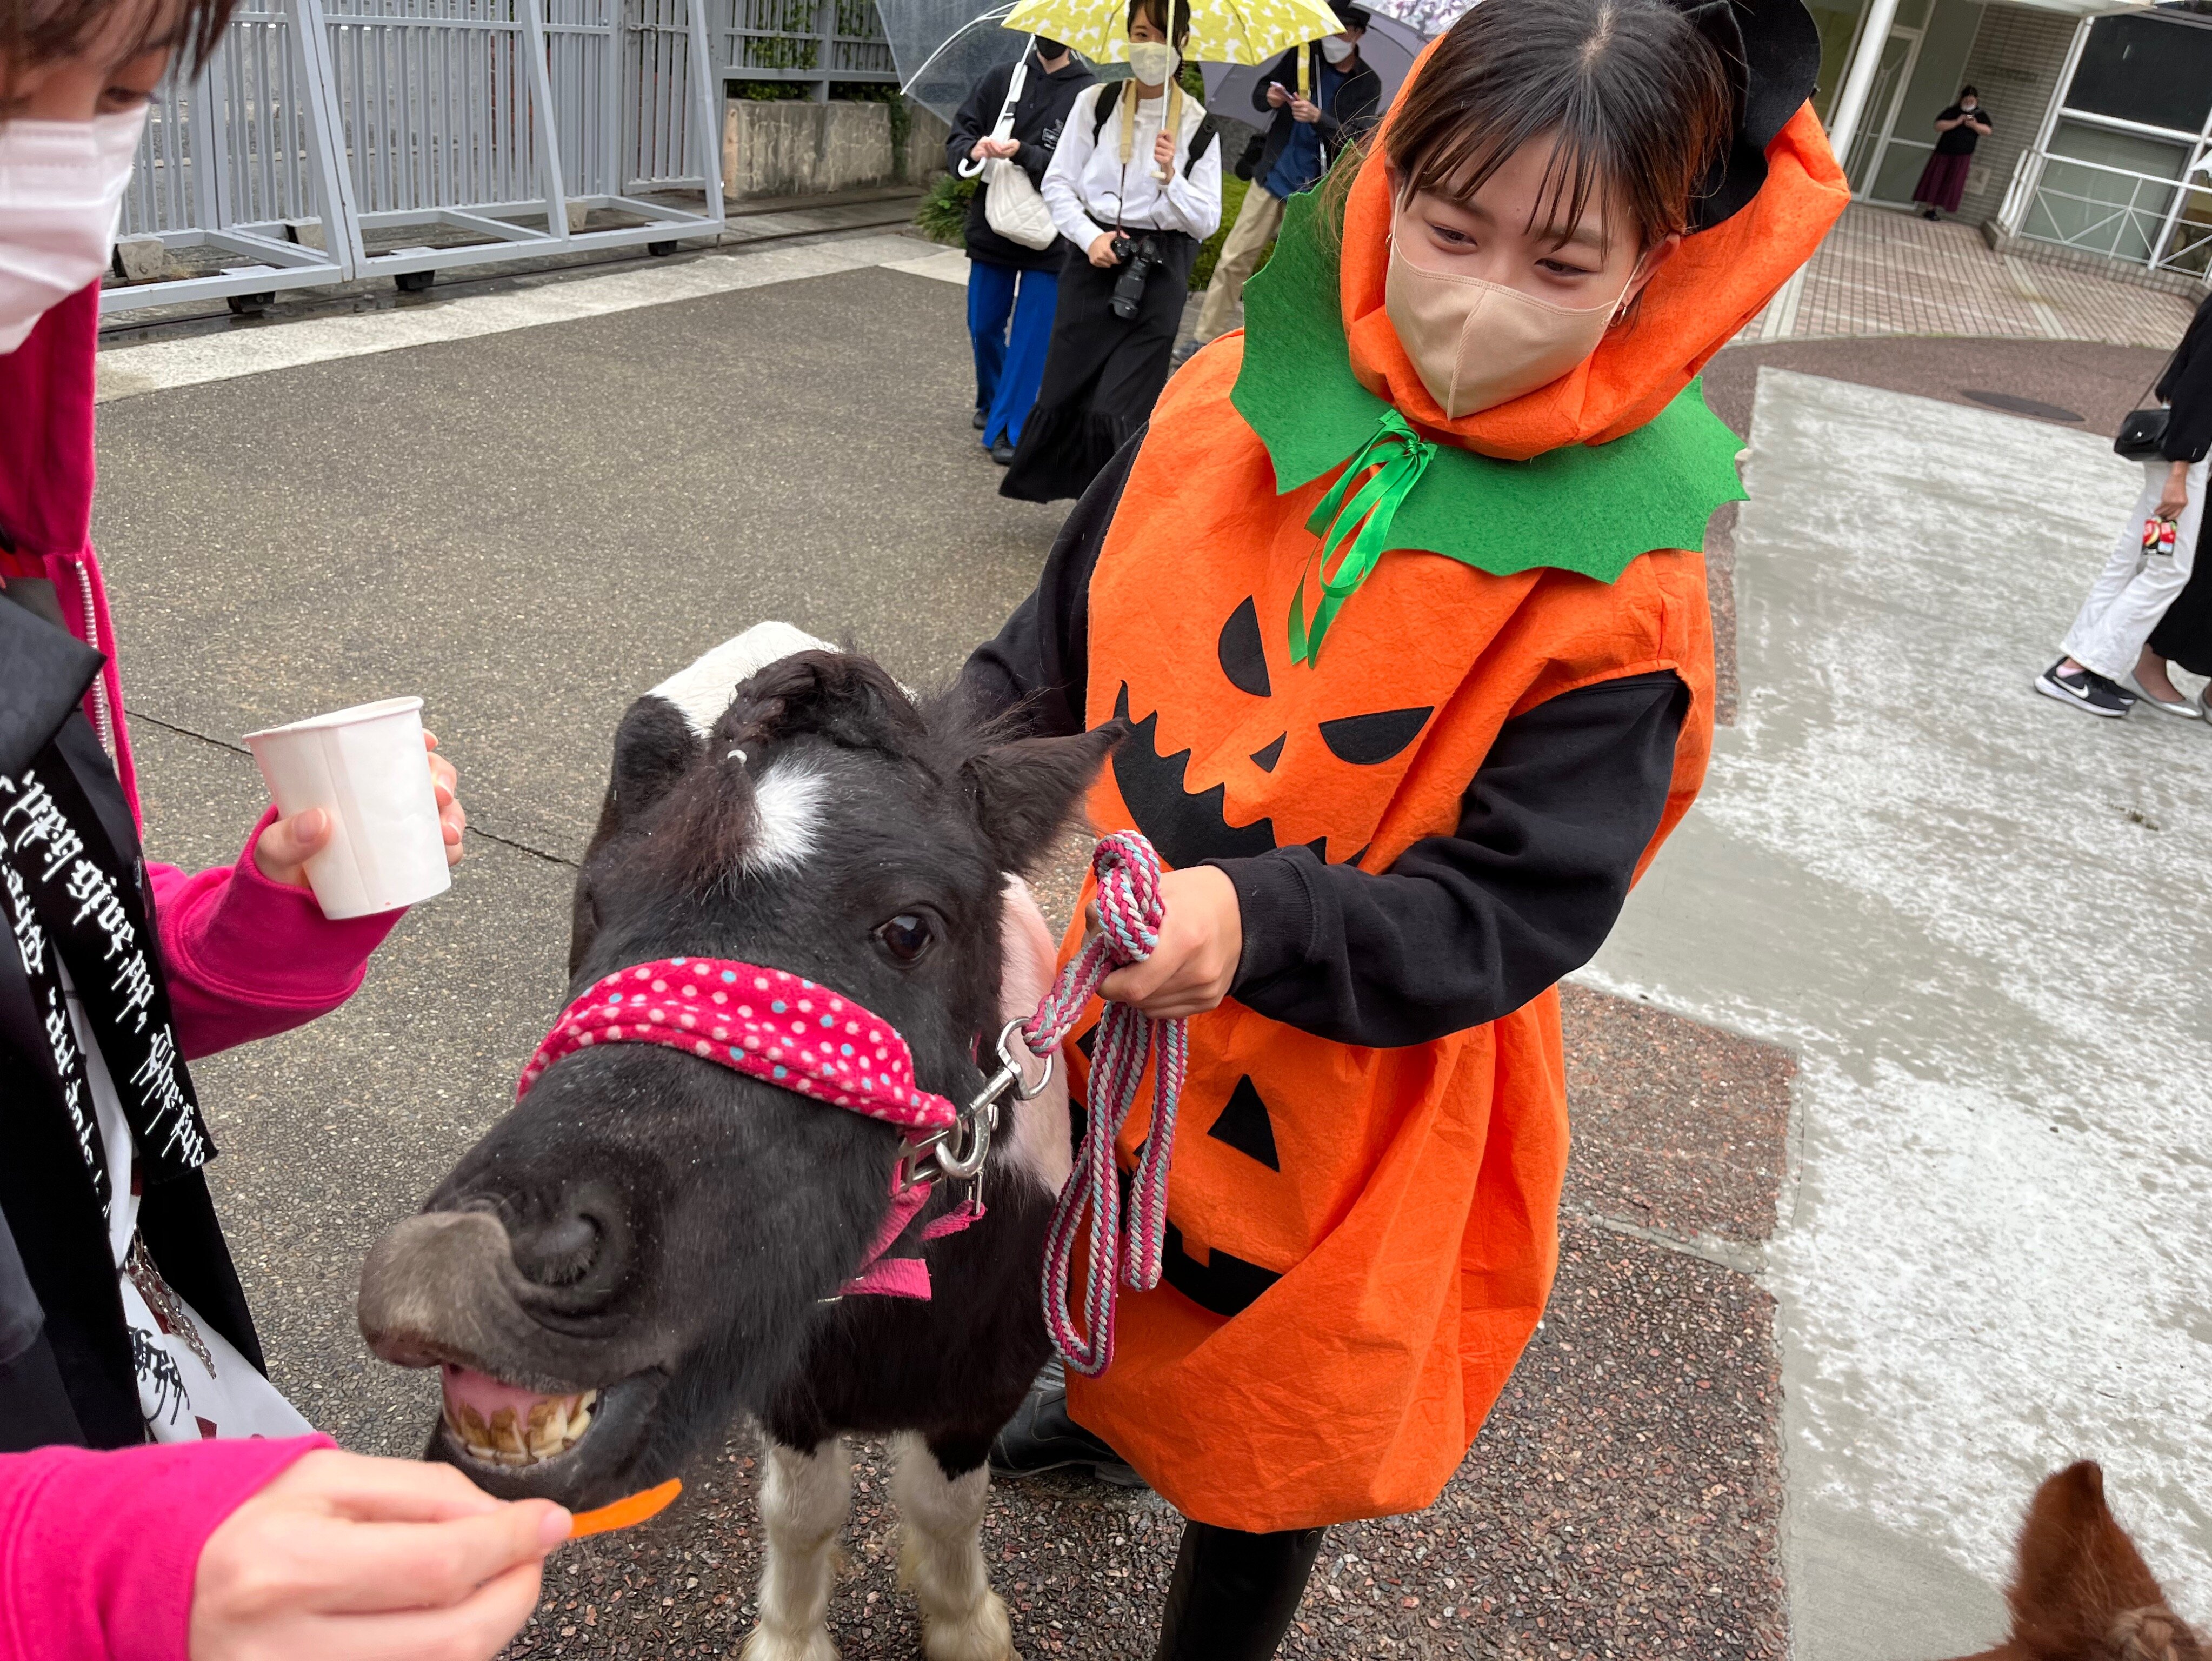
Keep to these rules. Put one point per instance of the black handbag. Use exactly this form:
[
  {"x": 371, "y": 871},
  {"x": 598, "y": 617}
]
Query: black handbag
[{"x": 2142, "y": 437}]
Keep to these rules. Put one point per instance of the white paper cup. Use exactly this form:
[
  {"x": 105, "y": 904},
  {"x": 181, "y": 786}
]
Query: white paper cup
[{"x": 365, "y": 768}]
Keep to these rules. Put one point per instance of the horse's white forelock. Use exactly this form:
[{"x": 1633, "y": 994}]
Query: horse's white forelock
[
  {"x": 704, "y": 688},
  {"x": 787, "y": 817}
]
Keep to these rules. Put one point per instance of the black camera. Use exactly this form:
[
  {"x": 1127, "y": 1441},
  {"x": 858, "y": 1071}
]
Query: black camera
[{"x": 1137, "y": 255}]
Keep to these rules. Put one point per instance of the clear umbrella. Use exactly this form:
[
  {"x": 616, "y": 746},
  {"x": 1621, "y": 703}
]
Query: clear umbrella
[{"x": 942, "y": 47}]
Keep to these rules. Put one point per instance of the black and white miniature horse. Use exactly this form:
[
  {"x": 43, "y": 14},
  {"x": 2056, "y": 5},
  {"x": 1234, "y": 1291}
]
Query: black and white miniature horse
[{"x": 650, "y": 1243}]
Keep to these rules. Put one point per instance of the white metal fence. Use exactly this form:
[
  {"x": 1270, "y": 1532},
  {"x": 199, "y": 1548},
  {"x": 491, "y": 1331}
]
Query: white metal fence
[
  {"x": 333, "y": 139},
  {"x": 820, "y": 43}
]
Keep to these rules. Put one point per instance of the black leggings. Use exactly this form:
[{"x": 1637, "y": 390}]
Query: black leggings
[{"x": 1234, "y": 1594}]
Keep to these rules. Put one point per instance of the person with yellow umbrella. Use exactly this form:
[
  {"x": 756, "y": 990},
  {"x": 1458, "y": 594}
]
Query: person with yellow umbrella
[
  {"x": 1134, "y": 187},
  {"x": 1399, "y": 606}
]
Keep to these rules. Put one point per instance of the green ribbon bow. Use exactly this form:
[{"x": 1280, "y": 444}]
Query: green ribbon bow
[{"x": 1353, "y": 522}]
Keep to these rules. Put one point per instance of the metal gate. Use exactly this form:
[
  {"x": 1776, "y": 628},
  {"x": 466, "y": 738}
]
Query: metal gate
[{"x": 334, "y": 139}]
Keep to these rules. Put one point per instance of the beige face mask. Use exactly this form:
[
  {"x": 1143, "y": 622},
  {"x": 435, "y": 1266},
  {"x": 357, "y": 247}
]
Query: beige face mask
[{"x": 1478, "y": 343}]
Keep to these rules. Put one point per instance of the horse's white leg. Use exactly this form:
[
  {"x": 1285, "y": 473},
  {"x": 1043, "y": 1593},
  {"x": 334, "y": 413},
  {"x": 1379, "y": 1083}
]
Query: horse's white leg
[
  {"x": 803, "y": 1500},
  {"x": 941, "y": 1557}
]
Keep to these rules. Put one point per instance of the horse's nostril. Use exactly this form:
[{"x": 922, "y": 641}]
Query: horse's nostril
[{"x": 560, "y": 1251}]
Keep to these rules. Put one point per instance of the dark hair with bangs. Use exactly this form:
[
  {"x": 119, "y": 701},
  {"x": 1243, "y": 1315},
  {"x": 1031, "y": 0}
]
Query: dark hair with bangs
[
  {"x": 1172, "y": 17},
  {"x": 1636, "y": 98},
  {"x": 35, "y": 33}
]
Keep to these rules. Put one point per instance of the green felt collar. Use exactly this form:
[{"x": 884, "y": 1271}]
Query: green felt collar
[{"x": 1590, "y": 509}]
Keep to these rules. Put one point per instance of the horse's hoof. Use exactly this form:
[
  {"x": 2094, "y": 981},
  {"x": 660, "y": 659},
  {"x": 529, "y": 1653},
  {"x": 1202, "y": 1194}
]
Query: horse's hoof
[
  {"x": 766, "y": 1646},
  {"x": 983, "y": 1634}
]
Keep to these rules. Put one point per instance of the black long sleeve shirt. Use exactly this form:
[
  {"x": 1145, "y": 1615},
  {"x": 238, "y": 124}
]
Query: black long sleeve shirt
[
  {"x": 1038, "y": 120},
  {"x": 2186, "y": 387},
  {"x": 1462, "y": 928}
]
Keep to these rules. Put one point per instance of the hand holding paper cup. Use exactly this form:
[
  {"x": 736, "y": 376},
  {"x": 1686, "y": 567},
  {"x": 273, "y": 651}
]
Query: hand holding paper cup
[{"x": 365, "y": 768}]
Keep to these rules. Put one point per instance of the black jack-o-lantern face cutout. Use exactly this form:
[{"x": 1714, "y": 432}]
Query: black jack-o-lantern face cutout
[
  {"x": 1268, "y": 747},
  {"x": 1192, "y": 826}
]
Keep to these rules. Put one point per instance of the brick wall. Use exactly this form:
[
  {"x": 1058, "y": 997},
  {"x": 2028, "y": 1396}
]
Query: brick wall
[{"x": 2013, "y": 64}]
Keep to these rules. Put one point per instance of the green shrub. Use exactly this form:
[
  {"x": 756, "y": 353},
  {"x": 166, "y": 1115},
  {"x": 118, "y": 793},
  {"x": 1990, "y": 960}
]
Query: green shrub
[
  {"x": 768, "y": 92},
  {"x": 943, "y": 215}
]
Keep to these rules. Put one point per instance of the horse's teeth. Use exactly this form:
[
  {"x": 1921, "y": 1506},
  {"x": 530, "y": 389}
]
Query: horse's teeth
[
  {"x": 473, "y": 1429},
  {"x": 589, "y": 1398},
  {"x": 506, "y": 1433}
]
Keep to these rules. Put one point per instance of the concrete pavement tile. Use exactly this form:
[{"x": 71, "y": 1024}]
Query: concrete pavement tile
[{"x": 1678, "y": 1127}]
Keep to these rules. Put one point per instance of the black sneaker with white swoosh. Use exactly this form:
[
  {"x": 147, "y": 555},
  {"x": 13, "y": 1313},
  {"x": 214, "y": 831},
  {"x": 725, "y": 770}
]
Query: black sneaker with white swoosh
[{"x": 2086, "y": 690}]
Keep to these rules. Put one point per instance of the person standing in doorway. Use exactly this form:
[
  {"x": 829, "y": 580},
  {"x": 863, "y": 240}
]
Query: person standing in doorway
[
  {"x": 1136, "y": 186},
  {"x": 1013, "y": 288},
  {"x": 1958, "y": 129},
  {"x": 2150, "y": 564},
  {"x": 1303, "y": 138}
]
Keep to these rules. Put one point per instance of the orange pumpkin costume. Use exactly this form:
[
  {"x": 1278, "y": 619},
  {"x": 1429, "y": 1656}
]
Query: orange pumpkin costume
[{"x": 1381, "y": 1223}]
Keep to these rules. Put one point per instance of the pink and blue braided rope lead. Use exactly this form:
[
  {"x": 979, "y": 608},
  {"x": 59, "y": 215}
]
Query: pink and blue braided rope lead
[{"x": 1130, "y": 912}]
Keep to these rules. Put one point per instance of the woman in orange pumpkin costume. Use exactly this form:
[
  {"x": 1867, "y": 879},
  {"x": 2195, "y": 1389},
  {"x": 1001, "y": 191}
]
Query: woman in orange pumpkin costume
[{"x": 1398, "y": 598}]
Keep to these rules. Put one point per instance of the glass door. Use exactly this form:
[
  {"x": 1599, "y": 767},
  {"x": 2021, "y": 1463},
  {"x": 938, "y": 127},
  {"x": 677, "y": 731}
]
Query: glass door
[{"x": 1891, "y": 77}]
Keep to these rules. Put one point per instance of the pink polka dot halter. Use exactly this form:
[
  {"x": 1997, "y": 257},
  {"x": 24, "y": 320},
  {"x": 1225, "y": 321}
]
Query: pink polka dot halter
[{"x": 770, "y": 1023}]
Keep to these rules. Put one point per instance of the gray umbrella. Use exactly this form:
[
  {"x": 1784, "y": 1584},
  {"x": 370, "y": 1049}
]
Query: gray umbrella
[{"x": 1389, "y": 47}]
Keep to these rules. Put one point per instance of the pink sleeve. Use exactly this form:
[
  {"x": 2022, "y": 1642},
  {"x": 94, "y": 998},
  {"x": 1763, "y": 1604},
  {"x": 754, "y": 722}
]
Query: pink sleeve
[
  {"x": 246, "y": 956},
  {"x": 99, "y": 1551}
]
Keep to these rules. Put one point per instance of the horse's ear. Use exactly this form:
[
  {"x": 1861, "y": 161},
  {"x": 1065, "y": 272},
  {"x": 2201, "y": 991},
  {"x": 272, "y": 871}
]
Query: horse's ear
[
  {"x": 654, "y": 745},
  {"x": 2079, "y": 1572},
  {"x": 1026, "y": 792}
]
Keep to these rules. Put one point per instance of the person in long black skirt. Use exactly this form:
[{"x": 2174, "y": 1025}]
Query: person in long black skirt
[
  {"x": 1137, "y": 178},
  {"x": 1958, "y": 129}
]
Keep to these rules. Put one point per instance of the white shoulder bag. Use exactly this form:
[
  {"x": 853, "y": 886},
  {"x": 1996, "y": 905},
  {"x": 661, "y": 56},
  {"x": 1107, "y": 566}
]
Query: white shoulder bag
[{"x": 1011, "y": 205}]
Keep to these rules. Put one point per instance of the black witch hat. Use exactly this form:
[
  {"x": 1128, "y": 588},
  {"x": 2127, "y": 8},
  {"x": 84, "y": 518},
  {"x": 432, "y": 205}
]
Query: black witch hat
[{"x": 1772, "y": 51}]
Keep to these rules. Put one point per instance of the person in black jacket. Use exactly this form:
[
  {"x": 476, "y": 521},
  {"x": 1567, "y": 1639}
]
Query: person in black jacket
[
  {"x": 1009, "y": 282},
  {"x": 1303, "y": 140},
  {"x": 2150, "y": 564}
]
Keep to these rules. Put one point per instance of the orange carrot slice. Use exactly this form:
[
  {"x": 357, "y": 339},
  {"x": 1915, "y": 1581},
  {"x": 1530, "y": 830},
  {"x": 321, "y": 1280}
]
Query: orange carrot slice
[{"x": 626, "y": 1512}]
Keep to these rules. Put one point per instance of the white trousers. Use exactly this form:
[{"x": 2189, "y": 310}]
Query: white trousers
[{"x": 2135, "y": 590}]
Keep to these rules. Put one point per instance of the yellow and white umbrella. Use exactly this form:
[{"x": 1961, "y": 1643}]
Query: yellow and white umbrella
[{"x": 1221, "y": 31}]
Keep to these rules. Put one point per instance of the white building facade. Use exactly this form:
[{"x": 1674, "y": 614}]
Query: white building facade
[{"x": 2102, "y": 110}]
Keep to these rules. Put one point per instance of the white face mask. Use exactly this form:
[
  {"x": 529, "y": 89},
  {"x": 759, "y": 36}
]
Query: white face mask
[
  {"x": 61, "y": 193},
  {"x": 1335, "y": 48},
  {"x": 1153, "y": 61},
  {"x": 1478, "y": 343}
]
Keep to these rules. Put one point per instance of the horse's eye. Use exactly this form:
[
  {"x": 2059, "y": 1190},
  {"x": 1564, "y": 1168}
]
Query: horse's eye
[{"x": 905, "y": 937}]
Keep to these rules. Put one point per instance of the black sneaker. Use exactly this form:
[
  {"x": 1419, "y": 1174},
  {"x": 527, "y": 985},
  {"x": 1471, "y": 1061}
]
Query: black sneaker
[
  {"x": 1041, "y": 1437},
  {"x": 2086, "y": 690},
  {"x": 979, "y": 420},
  {"x": 1003, "y": 454},
  {"x": 2126, "y": 695}
]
